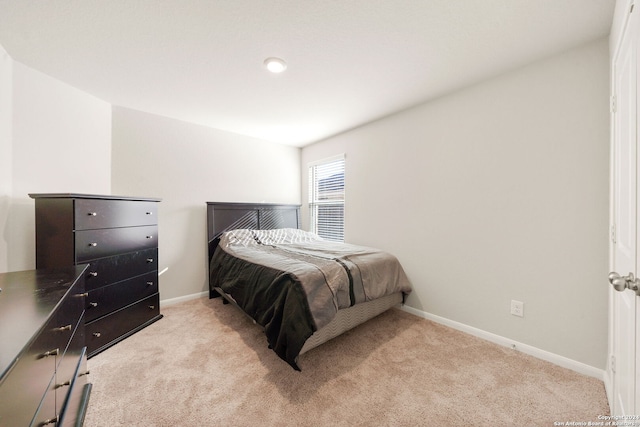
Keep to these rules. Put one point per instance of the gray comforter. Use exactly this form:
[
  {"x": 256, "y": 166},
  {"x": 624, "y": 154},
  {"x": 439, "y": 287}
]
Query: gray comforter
[{"x": 289, "y": 275}]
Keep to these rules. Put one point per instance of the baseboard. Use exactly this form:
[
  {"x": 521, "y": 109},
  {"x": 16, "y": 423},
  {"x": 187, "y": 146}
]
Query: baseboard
[
  {"x": 556, "y": 359},
  {"x": 171, "y": 301}
]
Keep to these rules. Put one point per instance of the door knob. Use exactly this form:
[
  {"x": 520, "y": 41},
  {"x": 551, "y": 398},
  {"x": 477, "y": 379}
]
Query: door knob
[{"x": 620, "y": 283}]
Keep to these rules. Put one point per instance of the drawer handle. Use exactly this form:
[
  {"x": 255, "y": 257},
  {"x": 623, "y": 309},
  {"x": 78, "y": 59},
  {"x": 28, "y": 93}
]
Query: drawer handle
[
  {"x": 93, "y": 244},
  {"x": 86, "y": 294},
  {"x": 93, "y": 304},
  {"x": 149, "y": 283},
  {"x": 149, "y": 213},
  {"x": 93, "y": 213},
  {"x": 152, "y": 307},
  {"x": 53, "y": 352},
  {"x": 53, "y": 420},
  {"x": 64, "y": 384},
  {"x": 149, "y": 237},
  {"x": 97, "y": 334},
  {"x": 93, "y": 273},
  {"x": 63, "y": 328},
  {"x": 84, "y": 373},
  {"x": 149, "y": 259}
]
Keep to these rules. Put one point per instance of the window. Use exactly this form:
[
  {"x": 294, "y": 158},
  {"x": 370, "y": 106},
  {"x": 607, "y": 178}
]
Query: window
[{"x": 326, "y": 198}]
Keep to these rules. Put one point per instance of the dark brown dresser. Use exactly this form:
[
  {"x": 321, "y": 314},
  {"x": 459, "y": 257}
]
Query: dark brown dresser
[
  {"x": 118, "y": 237},
  {"x": 43, "y": 363}
]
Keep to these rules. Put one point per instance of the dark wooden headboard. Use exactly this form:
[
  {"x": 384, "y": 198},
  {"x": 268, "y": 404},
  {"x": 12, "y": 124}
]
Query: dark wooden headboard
[{"x": 255, "y": 216}]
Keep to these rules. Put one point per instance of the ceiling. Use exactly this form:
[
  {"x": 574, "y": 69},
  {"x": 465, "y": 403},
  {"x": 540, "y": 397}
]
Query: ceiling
[{"x": 349, "y": 61}]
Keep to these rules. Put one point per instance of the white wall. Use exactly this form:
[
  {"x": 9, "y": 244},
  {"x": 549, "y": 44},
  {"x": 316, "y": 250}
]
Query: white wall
[
  {"x": 493, "y": 193},
  {"x": 187, "y": 165},
  {"x": 58, "y": 140},
  {"x": 6, "y": 71}
]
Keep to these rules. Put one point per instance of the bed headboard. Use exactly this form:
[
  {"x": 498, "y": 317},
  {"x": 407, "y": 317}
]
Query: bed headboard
[{"x": 230, "y": 216}]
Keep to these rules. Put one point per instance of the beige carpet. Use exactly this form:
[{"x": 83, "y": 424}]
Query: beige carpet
[{"x": 207, "y": 364}]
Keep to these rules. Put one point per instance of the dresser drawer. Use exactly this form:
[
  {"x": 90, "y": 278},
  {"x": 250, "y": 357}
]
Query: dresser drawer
[
  {"x": 115, "y": 296},
  {"x": 43, "y": 309},
  {"x": 19, "y": 403},
  {"x": 76, "y": 400},
  {"x": 63, "y": 323},
  {"x": 92, "y": 244},
  {"x": 118, "y": 325},
  {"x": 46, "y": 413},
  {"x": 95, "y": 213},
  {"x": 105, "y": 271},
  {"x": 67, "y": 366}
]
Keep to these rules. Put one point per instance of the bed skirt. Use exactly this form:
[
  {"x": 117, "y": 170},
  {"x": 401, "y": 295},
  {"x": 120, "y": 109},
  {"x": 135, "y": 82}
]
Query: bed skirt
[
  {"x": 351, "y": 317},
  {"x": 344, "y": 320}
]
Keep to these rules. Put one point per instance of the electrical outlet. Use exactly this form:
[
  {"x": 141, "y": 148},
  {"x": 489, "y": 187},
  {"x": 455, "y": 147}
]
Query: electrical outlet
[{"x": 517, "y": 308}]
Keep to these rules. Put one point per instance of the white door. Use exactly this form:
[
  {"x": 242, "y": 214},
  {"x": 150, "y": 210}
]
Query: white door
[{"x": 624, "y": 197}]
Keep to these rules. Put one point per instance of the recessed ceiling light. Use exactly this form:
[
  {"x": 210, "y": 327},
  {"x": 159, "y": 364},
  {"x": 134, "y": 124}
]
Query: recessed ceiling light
[{"x": 275, "y": 65}]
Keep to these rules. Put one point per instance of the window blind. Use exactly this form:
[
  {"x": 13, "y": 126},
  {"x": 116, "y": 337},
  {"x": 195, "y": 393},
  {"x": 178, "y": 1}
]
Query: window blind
[{"x": 326, "y": 198}]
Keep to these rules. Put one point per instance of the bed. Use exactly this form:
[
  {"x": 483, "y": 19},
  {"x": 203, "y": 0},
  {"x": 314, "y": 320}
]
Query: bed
[{"x": 303, "y": 290}]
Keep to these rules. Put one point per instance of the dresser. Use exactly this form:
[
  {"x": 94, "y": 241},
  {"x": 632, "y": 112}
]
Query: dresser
[
  {"x": 118, "y": 238},
  {"x": 43, "y": 363}
]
